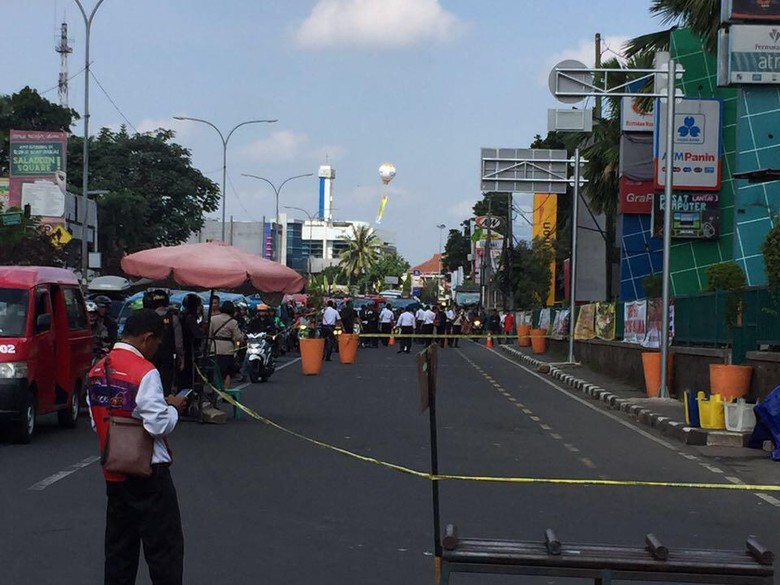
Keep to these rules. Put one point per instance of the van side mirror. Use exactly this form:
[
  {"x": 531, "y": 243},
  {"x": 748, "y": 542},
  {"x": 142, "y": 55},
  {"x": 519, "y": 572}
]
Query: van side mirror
[{"x": 43, "y": 323}]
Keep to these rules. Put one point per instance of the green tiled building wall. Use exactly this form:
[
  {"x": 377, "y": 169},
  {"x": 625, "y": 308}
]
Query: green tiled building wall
[{"x": 690, "y": 259}]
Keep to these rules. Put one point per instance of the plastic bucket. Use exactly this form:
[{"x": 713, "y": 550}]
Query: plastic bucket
[
  {"x": 522, "y": 335},
  {"x": 311, "y": 355},
  {"x": 711, "y": 412},
  {"x": 651, "y": 364},
  {"x": 730, "y": 381},
  {"x": 348, "y": 345},
  {"x": 538, "y": 340},
  {"x": 691, "y": 409}
]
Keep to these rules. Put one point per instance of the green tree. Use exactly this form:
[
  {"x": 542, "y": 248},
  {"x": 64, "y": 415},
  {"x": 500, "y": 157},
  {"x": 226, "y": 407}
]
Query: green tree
[
  {"x": 155, "y": 196},
  {"x": 531, "y": 273},
  {"x": 27, "y": 110},
  {"x": 361, "y": 253},
  {"x": 406, "y": 290},
  {"x": 27, "y": 244},
  {"x": 702, "y": 17},
  {"x": 493, "y": 203},
  {"x": 391, "y": 264},
  {"x": 456, "y": 251},
  {"x": 430, "y": 291}
]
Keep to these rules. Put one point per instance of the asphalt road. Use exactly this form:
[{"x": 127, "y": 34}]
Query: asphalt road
[{"x": 261, "y": 505}]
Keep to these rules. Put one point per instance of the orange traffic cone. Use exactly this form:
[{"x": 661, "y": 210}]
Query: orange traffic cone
[
  {"x": 489, "y": 342},
  {"x": 391, "y": 341}
]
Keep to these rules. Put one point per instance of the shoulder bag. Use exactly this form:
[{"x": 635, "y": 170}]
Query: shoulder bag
[{"x": 129, "y": 447}]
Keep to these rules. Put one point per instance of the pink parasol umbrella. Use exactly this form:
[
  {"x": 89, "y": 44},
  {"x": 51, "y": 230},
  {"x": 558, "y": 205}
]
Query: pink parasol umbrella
[{"x": 213, "y": 265}]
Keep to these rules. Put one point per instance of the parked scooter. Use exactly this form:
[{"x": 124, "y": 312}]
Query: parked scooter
[{"x": 260, "y": 356}]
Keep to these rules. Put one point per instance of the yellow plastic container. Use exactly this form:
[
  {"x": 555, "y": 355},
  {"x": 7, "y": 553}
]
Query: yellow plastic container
[{"x": 711, "y": 412}]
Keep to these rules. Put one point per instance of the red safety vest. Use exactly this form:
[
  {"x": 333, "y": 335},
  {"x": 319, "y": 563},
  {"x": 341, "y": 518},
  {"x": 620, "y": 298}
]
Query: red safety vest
[{"x": 115, "y": 396}]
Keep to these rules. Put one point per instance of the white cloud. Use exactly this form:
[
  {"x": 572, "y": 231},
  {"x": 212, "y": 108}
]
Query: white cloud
[
  {"x": 375, "y": 23},
  {"x": 281, "y": 146},
  {"x": 585, "y": 52}
]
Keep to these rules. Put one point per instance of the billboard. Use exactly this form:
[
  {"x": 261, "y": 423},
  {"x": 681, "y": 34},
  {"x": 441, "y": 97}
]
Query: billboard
[
  {"x": 764, "y": 10},
  {"x": 524, "y": 170},
  {"x": 695, "y": 215},
  {"x": 544, "y": 226},
  {"x": 4, "y": 193},
  {"x": 632, "y": 119},
  {"x": 697, "y": 130},
  {"x": 753, "y": 54},
  {"x": 37, "y": 164}
]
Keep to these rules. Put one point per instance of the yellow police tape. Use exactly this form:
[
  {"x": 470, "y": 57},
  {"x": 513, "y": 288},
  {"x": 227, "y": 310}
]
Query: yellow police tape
[{"x": 489, "y": 478}]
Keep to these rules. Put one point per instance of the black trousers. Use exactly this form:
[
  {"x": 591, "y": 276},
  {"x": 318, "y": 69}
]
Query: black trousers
[
  {"x": 326, "y": 331},
  {"x": 406, "y": 342},
  {"x": 456, "y": 330},
  {"x": 144, "y": 511},
  {"x": 427, "y": 329},
  {"x": 385, "y": 328}
]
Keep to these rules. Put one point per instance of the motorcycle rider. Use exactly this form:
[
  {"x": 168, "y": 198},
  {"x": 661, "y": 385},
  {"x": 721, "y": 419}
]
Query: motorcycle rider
[
  {"x": 170, "y": 356},
  {"x": 103, "y": 305},
  {"x": 263, "y": 322},
  {"x": 100, "y": 335}
]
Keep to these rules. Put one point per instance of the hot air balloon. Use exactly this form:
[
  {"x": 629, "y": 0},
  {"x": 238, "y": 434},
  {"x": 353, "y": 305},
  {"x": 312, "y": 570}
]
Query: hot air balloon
[{"x": 387, "y": 172}]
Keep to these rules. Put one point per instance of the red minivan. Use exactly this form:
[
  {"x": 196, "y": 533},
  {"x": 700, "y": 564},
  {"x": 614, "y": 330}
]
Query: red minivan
[{"x": 45, "y": 346}]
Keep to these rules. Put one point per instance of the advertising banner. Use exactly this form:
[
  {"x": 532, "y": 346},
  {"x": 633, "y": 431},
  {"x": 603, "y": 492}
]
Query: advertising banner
[
  {"x": 634, "y": 321},
  {"x": 544, "y": 319},
  {"x": 768, "y": 10},
  {"x": 37, "y": 174},
  {"x": 753, "y": 54},
  {"x": 605, "y": 321},
  {"x": 695, "y": 215},
  {"x": 636, "y": 196},
  {"x": 585, "y": 328},
  {"x": 544, "y": 226},
  {"x": 4, "y": 193},
  {"x": 655, "y": 311},
  {"x": 632, "y": 119},
  {"x": 697, "y": 130},
  {"x": 561, "y": 324}
]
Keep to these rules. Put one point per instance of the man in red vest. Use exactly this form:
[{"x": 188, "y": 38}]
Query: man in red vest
[{"x": 140, "y": 509}]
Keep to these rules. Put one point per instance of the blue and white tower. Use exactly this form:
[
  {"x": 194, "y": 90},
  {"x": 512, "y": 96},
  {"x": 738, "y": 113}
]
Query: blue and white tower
[{"x": 327, "y": 174}]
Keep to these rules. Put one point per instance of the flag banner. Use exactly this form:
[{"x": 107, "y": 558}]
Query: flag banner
[
  {"x": 634, "y": 321},
  {"x": 605, "y": 321},
  {"x": 586, "y": 323}
]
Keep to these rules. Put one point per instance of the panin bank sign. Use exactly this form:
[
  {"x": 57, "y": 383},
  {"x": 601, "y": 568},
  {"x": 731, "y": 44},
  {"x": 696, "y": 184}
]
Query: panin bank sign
[{"x": 697, "y": 129}]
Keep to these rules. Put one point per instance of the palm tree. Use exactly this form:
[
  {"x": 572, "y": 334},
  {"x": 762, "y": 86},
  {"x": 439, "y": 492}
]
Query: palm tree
[
  {"x": 361, "y": 254},
  {"x": 702, "y": 17}
]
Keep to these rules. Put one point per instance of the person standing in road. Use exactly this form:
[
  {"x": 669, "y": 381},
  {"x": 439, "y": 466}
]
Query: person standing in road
[
  {"x": 509, "y": 326},
  {"x": 450, "y": 315},
  {"x": 330, "y": 319},
  {"x": 169, "y": 359},
  {"x": 140, "y": 510},
  {"x": 406, "y": 324},
  {"x": 104, "y": 304},
  {"x": 419, "y": 317},
  {"x": 427, "y": 327},
  {"x": 223, "y": 335},
  {"x": 440, "y": 324},
  {"x": 386, "y": 323},
  {"x": 457, "y": 326},
  {"x": 494, "y": 323}
]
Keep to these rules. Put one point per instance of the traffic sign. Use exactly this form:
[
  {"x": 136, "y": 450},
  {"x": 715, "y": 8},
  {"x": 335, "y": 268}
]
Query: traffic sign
[
  {"x": 13, "y": 218},
  {"x": 60, "y": 236}
]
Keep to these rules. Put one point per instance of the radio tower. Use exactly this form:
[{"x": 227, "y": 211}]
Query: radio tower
[{"x": 64, "y": 50}]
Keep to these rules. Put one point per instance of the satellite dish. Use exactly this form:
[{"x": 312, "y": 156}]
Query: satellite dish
[{"x": 570, "y": 82}]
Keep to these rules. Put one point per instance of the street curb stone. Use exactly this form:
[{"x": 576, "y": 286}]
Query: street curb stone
[{"x": 668, "y": 427}]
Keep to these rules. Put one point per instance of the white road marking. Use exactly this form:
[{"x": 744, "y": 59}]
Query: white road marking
[
  {"x": 571, "y": 447},
  {"x": 546, "y": 427},
  {"x": 535, "y": 418},
  {"x": 46, "y": 482},
  {"x": 733, "y": 479},
  {"x": 588, "y": 462},
  {"x": 769, "y": 499},
  {"x": 556, "y": 436},
  {"x": 712, "y": 468}
]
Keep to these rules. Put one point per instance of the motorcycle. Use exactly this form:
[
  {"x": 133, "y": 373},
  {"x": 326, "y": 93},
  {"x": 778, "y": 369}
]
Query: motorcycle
[
  {"x": 261, "y": 362},
  {"x": 477, "y": 328}
]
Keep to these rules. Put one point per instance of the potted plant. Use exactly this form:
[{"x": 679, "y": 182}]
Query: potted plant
[
  {"x": 311, "y": 344},
  {"x": 729, "y": 380}
]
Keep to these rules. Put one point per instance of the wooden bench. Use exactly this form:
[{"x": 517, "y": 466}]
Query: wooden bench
[{"x": 603, "y": 563}]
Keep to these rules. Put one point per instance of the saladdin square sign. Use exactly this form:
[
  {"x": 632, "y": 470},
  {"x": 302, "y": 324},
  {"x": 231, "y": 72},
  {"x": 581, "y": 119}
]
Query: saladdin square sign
[{"x": 697, "y": 145}]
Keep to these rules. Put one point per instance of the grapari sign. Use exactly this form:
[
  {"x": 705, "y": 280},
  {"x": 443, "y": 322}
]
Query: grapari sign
[
  {"x": 695, "y": 215},
  {"x": 697, "y": 130},
  {"x": 636, "y": 196}
]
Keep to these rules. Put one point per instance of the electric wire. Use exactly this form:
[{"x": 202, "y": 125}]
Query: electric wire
[{"x": 113, "y": 103}]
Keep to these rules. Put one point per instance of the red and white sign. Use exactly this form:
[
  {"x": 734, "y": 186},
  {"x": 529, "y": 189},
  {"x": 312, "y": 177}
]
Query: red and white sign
[
  {"x": 636, "y": 196},
  {"x": 634, "y": 321},
  {"x": 632, "y": 119}
]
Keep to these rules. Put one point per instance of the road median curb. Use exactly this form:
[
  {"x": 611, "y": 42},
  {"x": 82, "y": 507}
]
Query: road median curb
[{"x": 638, "y": 411}]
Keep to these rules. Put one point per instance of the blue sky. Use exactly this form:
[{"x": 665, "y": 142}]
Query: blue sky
[{"x": 420, "y": 83}]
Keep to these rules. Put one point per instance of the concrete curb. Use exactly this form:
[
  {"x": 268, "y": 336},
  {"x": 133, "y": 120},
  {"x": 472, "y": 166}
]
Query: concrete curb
[{"x": 668, "y": 427}]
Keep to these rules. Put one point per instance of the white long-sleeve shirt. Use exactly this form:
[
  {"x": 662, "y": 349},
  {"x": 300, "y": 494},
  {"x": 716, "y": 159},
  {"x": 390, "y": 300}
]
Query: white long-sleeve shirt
[
  {"x": 405, "y": 319},
  {"x": 386, "y": 316},
  {"x": 159, "y": 417}
]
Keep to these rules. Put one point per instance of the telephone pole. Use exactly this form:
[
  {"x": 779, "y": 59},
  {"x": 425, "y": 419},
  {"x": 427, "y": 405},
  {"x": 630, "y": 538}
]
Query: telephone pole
[{"x": 64, "y": 49}]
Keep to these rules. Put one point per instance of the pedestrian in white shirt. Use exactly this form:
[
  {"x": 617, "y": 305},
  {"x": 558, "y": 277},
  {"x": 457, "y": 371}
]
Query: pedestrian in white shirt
[
  {"x": 419, "y": 317},
  {"x": 330, "y": 318},
  {"x": 406, "y": 323},
  {"x": 427, "y": 326},
  {"x": 450, "y": 316},
  {"x": 386, "y": 323}
]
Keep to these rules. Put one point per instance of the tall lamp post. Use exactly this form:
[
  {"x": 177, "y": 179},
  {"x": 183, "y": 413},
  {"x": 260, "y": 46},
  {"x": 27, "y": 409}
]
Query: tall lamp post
[
  {"x": 225, "y": 141},
  {"x": 85, "y": 179},
  {"x": 277, "y": 190},
  {"x": 311, "y": 235},
  {"x": 441, "y": 227}
]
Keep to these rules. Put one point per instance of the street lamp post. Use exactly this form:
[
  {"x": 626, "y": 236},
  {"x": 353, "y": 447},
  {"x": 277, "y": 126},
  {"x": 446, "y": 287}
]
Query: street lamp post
[
  {"x": 441, "y": 227},
  {"x": 225, "y": 141},
  {"x": 85, "y": 170},
  {"x": 311, "y": 235},
  {"x": 277, "y": 190}
]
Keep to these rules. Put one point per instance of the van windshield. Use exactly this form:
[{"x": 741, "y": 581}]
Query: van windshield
[{"x": 13, "y": 312}]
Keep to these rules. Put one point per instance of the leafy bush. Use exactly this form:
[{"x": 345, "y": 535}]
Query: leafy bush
[
  {"x": 652, "y": 284},
  {"x": 730, "y": 278}
]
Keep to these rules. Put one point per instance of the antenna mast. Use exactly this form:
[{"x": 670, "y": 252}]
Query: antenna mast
[{"x": 64, "y": 49}]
